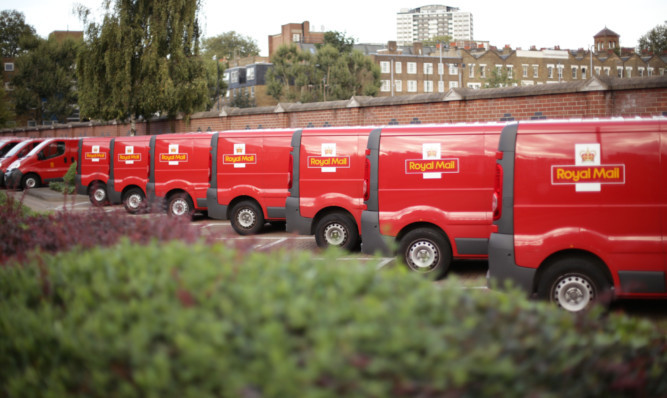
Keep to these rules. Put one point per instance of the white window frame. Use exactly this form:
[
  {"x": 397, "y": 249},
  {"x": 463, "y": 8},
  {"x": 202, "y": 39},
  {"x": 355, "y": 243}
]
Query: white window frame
[
  {"x": 385, "y": 86},
  {"x": 550, "y": 71},
  {"x": 385, "y": 67},
  {"x": 471, "y": 70},
  {"x": 428, "y": 86},
  {"x": 510, "y": 71},
  {"x": 453, "y": 69},
  {"x": 398, "y": 67},
  {"x": 428, "y": 68},
  {"x": 398, "y": 86},
  {"x": 441, "y": 68},
  {"x": 412, "y": 68},
  {"x": 475, "y": 86},
  {"x": 9, "y": 67},
  {"x": 536, "y": 71},
  {"x": 575, "y": 69},
  {"x": 441, "y": 86},
  {"x": 250, "y": 73},
  {"x": 628, "y": 71},
  {"x": 524, "y": 69},
  {"x": 482, "y": 71},
  {"x": 412, "y": 86},
  {"x": 453, "y": 84}
]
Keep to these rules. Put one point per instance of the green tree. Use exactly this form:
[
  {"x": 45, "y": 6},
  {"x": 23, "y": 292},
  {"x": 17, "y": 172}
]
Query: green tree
[
  {"x": 7, "y": 115},
  {"x": 143, "y": 60},
  {"x": 325, "y": 76},
  {"x": 14, "y": 33},
  {"x": 228, "y": 45},
  {"x": 435, "y": 40},
  {"x": 654, "y": 41},
  {"x": 499, "y": 77},
  {"x": 338, "y": 41},
  {"x": 45, "y": 81}
]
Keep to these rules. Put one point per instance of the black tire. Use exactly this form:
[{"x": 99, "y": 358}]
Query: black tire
[
  {"x": 98, "y": 194},
  {"x": 247, "y": 218},
  {"x": 134, "y": 201},
  {"x": 180, "y": 205},
  {"x": 337, "y": 229},
  {"x": 574, "y": 284},
  {"x": 426, "y": 251},
  {"x": 30, "y": 180}
]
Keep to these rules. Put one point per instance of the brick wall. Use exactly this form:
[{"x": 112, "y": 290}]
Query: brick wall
[{"x": 594, "y": 98}]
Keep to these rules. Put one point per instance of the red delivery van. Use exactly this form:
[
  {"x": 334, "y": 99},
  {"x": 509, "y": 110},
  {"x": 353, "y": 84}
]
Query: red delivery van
[
  {"x": 581, "y": 210},
  {"x": 48, "y": 161},
  {"x": 180, "y": 172},
  {"x": 327, "y": 193},
  {"x": 250, "y": 178},
  {"x": 92, "y": 169},
  {"x": 7, "y": 143},
  {"x": 128, "y": 174},
  {"x": 16, "y": 152},
  {"x": 429, "y": 193}
]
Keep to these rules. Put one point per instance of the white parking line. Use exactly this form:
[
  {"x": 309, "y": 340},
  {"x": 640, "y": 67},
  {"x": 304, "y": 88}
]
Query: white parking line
[{"x": 281, "y": 240}]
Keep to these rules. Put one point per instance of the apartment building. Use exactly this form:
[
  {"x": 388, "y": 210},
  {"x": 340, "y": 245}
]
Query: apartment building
[{"x": 422, "y": 23}]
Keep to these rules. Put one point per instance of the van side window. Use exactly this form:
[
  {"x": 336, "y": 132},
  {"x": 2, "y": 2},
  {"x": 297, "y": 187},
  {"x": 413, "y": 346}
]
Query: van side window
[{"x": 53, "y": 150}]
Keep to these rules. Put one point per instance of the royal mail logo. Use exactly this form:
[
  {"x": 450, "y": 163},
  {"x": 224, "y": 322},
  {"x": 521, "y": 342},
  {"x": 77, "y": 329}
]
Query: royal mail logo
[
  {"x": 173, "y": 157},
  {"x": 418, "y": 166},
  {"x": 96, "y": 155},
  {"x": 587, "y": 174},
  {"x": 329, "y": 161},
  {"x": 603, "y": 174},
  {"x": 129, "y": 157},
  {"x": 239, "y": 159}
]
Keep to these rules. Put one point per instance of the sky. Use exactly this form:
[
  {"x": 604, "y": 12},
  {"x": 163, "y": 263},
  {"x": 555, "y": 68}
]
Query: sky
[{"x": 519, "y": 23}]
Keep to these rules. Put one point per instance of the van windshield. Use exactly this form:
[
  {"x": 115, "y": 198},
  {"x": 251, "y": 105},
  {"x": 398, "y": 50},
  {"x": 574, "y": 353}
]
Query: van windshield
[
  {"x": 38, "y": 148},
  {"x": 21, "y": 149}
]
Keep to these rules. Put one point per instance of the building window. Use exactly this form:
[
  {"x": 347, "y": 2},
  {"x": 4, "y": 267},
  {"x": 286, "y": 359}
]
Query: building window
[
  {"x": 385, "y": 67},
  {"x": 628, "y": 71},
  {"x": 441, "y": 68},
  {"x": 482, "y": 71},
  {"x": 412, "y": 86},
  {"x": 252, "y": 91},
  {"x": 641, "y": 72},
  {"x": 650, "y": 71},
  {"x": 536, "y": 71},
  {"x": 9, "y": 67},
  {"x": 454, "y": 69},
  {"x": 597, "y": 70},
  {"x": 250, "y": 74},
  {"x": 412, "y": 68},
  {"x": 550, "y": 71},
  {"x": 471, "y": 70},
  {"x": 398, "y": 86},
  {"x": 398, "y": 68},
  {"x": 8, "y": 86},
  {"x": 386, "y": 86},
  {"x": 296, "y": 37},
  {"x": 441, "y": 86},
  {"x": 574, "y": 72},
  {"x": 619, "y": 71},
  {"x": 234, "y": 76},
  {"x": 428, "y": 86},
  {"x": 606, "y": 70},
  {"x": 428, "y": 68},
  {"x": 583, "y": 72},
  {"x": 560, "y": 72},
  {"x": 510, "y": 71},
  {"x": 524, "y": 68},
  {"x": 475, "y": 86},
  {"x": 453, "y": 84}
]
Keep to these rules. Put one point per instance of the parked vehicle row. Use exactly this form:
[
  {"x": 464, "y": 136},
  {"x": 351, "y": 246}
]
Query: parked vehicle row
[{"x": 570, "y": 211}]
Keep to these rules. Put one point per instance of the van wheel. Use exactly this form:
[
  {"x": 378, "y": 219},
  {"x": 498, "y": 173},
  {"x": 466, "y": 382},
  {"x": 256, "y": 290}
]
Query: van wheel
[
  {"x": 574, "y": 284},
  {"x": 338, "y": 230},
  {"x": 30, "y": 180},
  {"x": 134, "y": 201},
  {"x": 247, "y": 218},
  {"x": 180, "y": 205},
  {"x": 98, "y": 194},
  {"x": 425, "y": 250}
]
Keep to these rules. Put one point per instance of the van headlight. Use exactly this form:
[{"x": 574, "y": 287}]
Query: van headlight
[{"x": 15, "y": 165}]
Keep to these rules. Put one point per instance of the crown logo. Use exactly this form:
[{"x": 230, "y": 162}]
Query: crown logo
[
  {"x": 172, "y": 150},
  {"x": 328, "y": 151},
  {"x": 431, "y": 153},
  {"x": 587, "y": 155},
  {"x": 239, "y": 150},
  {"x": 129, "y": 150}
]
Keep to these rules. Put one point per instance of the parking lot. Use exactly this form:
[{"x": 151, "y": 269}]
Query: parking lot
[{"x": 470, "y": 273}]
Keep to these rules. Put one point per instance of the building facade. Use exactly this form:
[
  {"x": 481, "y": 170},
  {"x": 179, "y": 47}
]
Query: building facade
[
  {"x": 423, "y": 23},
  {"x": 297, "y": 33}
]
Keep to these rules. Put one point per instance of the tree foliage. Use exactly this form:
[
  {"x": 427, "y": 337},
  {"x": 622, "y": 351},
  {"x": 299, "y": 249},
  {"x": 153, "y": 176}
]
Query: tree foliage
[
  {"x": 228, "y": 45},
  {"x": 142, "y": 60},
  {"x": 654, "y": 41},
  {"x": 7, "y": 114},
  {"x": 338, "y": 41},
  {"x": 499, "y": 77},
  {"x": 45, "y": 81},
  {"x": 329, "y": 74},
  {"x": 14, "y": 33},
  {"x": 435, "y": 40}
]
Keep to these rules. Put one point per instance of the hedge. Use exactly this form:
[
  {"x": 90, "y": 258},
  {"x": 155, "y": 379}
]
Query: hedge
[{"x": 194, "y": 320}]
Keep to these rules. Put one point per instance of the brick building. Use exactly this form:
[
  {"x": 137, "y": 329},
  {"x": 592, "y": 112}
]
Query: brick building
[{"x": 297, "y": 33}]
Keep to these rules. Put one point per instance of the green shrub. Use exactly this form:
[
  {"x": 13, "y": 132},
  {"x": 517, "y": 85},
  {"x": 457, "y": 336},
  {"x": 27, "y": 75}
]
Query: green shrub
[
  {"x": 190, "y": 320},
  {"x": 68, "y": 185}
]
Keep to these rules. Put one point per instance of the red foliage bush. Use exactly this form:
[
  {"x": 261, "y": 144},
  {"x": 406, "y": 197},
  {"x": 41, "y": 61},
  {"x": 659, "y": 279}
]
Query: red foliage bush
[{"x": 21, "y": 232}]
